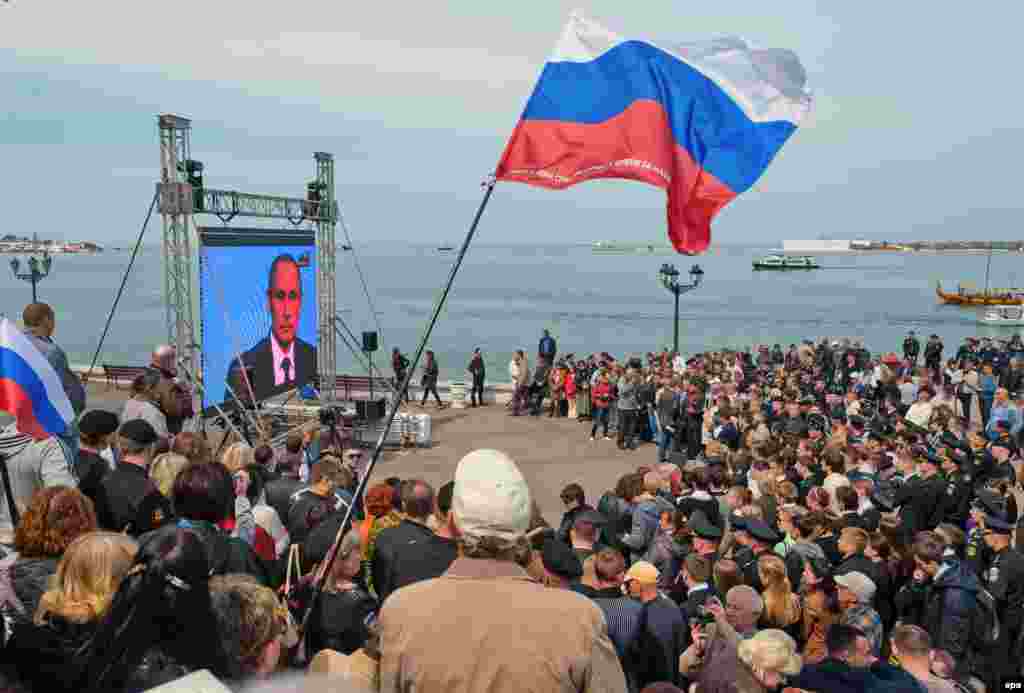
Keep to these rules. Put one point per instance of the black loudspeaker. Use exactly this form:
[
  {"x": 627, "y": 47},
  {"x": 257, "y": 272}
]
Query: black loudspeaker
[
  {"x": 370, "y": 409},
  {"x": 369, "y": 342}
]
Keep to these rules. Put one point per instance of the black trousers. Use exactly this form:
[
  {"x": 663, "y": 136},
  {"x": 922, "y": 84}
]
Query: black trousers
[
  {"x": 428, "y": 387},
  {"x": 476, "y": 395},
  {"x": 694, "y": 435},
  {"x": 627, "y": 427},
  {"x": 399, "y": 379}
]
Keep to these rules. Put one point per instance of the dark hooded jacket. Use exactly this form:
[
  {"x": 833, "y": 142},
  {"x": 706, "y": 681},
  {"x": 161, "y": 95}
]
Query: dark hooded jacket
[{"x": 944, "y": 607}]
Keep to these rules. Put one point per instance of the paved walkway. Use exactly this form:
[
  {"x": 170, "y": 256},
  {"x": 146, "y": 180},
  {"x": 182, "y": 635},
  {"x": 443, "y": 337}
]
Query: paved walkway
[{"x": 550, "y": 452}]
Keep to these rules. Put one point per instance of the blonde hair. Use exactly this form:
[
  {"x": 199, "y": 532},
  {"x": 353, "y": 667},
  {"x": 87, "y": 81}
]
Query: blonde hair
[
  {"x": 770, "y": 650},
  {"x": 780, "y": 605},
  {"x": 165, "y": 469},
  {"x": 352, "y": 542},
  {"x": 237, "y": 456},
  {"x": 88, "y": 577}
]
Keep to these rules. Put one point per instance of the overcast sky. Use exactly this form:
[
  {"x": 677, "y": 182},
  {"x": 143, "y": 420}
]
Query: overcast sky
[{"x": 916, "y": 130}]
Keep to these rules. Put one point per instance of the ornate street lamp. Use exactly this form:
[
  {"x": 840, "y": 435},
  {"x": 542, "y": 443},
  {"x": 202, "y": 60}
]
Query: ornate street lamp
[
  {"x": 668, "y": 275},
  {"x": 38, "y": 269}
]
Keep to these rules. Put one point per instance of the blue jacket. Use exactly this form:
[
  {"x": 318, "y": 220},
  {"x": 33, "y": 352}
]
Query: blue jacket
[
  {"x": 547, "y": 346},
  {"x": 1008, "y": 413},
  {"x": 646, "y": 518}
]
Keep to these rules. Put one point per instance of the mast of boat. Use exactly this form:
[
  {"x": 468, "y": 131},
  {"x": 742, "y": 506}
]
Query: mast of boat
[{"x": 988, "y": 267}]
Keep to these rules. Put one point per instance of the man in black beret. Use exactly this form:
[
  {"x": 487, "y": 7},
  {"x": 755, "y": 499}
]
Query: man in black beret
[
  {"x": 95, "y": 430},
  {"x": 959, "y": 486},
  {"x": 763, "y": 539},
  {"x": 921, "y": 499},
  {"x": 562, "y": 566},
  {"x": 738, "y": 544},
  {"x": 127, "y": 499}
]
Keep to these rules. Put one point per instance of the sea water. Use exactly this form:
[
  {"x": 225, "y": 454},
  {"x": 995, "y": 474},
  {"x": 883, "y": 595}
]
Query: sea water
[{"x": 505, "y": 295}]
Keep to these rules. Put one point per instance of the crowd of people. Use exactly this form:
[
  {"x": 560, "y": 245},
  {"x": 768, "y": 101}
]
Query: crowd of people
[{"x": 817, "y": 519}]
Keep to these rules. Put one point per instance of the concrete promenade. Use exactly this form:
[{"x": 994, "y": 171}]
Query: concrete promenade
[{"x": 550, "y": 452}]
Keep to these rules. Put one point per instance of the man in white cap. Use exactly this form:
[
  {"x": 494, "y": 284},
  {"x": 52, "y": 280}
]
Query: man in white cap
[
  {"x": 485, "y": 624},
  {"x": 856, "y": 593}
]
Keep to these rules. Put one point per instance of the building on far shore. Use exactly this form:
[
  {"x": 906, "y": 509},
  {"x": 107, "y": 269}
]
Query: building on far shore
[{"x": 13, "y": 244}]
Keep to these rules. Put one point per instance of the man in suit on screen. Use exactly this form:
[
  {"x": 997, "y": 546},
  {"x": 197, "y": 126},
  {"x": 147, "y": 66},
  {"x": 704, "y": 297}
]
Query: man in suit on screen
[{"x": 281, "y": 361}]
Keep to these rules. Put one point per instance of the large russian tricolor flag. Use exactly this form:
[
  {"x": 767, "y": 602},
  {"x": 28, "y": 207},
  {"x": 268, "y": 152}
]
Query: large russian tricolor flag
[
  {"x": 701, "y": 120},
  {"x": 30, "y": 389}
]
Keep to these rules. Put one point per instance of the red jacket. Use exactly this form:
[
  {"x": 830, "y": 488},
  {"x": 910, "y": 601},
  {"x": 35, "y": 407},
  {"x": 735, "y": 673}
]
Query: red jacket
[
  {"x": 570, "y": 385},
  {"x": 601, "y": 395}
]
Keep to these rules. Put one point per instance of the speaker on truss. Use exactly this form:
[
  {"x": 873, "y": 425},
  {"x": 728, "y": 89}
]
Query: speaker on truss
[{"x": 369, "y": 342}]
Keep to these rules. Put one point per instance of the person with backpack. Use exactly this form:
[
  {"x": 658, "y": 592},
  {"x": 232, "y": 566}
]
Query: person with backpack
[
  {"x": 947, "y": 599},
  {"x": 653, "y": 653}
]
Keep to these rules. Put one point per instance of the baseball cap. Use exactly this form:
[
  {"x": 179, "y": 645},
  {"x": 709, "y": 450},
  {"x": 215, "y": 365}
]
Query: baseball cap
[
  {"x": 643, "y": 572},
  {"x": 858, "y": 583},
  {"x": 491, "y": 497}
]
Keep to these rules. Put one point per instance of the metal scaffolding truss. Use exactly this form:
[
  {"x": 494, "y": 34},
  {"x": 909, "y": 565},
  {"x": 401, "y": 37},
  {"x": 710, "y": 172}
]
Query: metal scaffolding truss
[
  {"x": 228, "y": 204},
  {"x": 180, "y": 202},
  {"x": 179, "y": 247}
]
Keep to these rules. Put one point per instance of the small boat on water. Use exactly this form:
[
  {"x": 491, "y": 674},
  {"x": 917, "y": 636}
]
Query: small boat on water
[
  {"x": 998, "y": 316},
  {"x": 786, "y": 262},
  {"x": 992, "y": 297},
  {"x": 445, "y": 248}
]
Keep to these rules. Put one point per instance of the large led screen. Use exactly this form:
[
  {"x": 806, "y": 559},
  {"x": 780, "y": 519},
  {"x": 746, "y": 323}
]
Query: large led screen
[{"x": 258, "y": 306}]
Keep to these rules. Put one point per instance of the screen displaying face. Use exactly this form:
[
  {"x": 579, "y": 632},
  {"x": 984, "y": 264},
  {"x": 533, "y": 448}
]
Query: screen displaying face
[
  {"x": 285, "y": 294},
  {"x": 258, "y": 313}
]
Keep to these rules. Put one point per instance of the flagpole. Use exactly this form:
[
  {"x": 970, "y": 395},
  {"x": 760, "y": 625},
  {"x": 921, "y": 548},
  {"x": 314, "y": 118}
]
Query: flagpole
[{"x": 396, "y": 400}]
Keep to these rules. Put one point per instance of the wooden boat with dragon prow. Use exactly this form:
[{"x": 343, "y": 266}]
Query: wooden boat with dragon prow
[{"x": 992, "y": 297}]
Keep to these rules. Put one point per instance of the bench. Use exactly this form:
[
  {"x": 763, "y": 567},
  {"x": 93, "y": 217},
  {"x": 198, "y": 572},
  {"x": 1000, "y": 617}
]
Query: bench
[
  {"x": 118, "y": 373},
  {"x": 348, "y": 384}
]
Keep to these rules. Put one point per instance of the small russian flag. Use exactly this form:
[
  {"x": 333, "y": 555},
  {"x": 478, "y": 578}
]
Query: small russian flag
[{"x": 30, "y": 389}]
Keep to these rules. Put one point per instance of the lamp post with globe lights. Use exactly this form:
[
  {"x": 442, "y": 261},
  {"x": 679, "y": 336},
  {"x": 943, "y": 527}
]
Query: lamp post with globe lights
[
  {"x": 669, "y": 277},
  {"x": 38, "y": 269}
]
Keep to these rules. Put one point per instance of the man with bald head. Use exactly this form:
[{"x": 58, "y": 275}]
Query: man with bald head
[
  {"x": 411, "y": 552},
  {"x": 169, "y": 396},
  {"x": 281, "y": 361}
]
